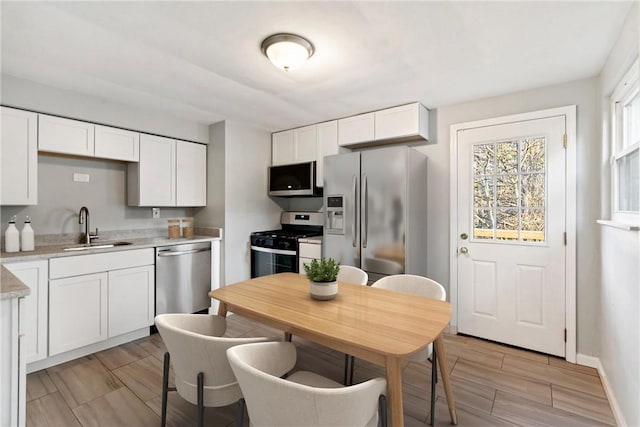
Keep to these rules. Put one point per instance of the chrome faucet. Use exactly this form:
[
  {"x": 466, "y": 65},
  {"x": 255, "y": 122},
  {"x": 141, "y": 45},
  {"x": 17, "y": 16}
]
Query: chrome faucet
[{"x": 83, "y": 218}]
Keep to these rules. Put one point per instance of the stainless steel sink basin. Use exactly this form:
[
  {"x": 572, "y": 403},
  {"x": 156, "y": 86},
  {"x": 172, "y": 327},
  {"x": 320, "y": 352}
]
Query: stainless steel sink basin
[{"x": 101, "y": 245}]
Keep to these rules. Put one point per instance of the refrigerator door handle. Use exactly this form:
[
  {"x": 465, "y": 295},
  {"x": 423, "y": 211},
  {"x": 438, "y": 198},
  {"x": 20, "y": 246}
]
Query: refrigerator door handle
[
  {"x": 365, "y": 214},
  {"x": 354, "y": 219}
]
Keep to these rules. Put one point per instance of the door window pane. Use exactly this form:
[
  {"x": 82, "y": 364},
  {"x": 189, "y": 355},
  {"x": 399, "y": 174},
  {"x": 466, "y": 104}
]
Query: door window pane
[
  {"x": 507, "y": 157},
  {"x": 483, "y": 191},
  {"x": 509, "y": 190},
  {"x": 483, "y": 224}
]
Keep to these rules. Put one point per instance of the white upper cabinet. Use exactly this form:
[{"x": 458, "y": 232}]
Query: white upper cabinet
[
  {"x": 282, "y": 148},
  {"x": 304, "y": 144},
  {"x": 58, "y": 135},
  {"x": 403, "y": 123},
  {"x": 356, "y": 129},
  {"x": 117, "y": 144},
  {"x": 169, "y": 173},
  {"x": 191, "y": 174},
  {"x": 327, "y": 146},
  {"x": 152, "y": 181},
  {"x": 398, "y": 124},
  {"x": 19, "y": 157},
  {"x": 294, "y": 146}
]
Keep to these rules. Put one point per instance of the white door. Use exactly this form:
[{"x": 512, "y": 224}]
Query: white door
[{"x": 511, "y": 213}]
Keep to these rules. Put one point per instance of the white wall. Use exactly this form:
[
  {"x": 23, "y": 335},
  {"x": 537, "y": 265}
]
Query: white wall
[
  {"x": 246, "y": 154},
  {"x": 59, "y": 198},
  {"x": 619, "y": 300},
  {"x": 583, "y": 93},
  {"x": 34, "y": 96}
]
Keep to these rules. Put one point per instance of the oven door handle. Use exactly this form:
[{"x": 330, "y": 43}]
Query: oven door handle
[{"x": 273, "y": 251}]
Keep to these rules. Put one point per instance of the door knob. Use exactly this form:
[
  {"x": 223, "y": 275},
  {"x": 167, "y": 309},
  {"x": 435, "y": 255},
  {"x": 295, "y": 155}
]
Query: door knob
[
  {"x": 464, "y": 236},
  {"x": 464, "y": 250}
]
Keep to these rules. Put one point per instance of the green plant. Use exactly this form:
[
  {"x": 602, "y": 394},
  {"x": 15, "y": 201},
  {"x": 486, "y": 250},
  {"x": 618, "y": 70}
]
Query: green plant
[{"x": 324, "y": 270}]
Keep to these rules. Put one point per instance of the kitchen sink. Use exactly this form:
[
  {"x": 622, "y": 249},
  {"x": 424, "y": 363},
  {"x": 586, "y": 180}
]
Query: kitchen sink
[{"x": 101, "y": 245}]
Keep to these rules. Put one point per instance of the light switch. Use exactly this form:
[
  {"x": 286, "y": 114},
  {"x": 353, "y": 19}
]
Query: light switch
[{"x": 81, "y": 177}]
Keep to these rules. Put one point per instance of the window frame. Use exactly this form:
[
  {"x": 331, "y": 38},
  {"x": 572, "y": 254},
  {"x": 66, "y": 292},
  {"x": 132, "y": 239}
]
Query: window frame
[{"x": 625, "y": 91}]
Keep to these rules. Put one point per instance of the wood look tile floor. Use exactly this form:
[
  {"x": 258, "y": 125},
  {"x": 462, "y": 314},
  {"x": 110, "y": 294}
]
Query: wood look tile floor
[{"x": 494, "y": 385}]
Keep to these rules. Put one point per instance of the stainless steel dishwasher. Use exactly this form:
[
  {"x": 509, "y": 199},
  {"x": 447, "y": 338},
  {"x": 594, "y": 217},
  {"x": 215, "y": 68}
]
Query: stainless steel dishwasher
[{"x": 183, "y": 278}]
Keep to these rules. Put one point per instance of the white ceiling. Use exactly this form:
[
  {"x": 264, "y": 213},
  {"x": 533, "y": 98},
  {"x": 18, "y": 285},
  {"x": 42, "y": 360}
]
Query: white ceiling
[{"x": 201, "y": 61}]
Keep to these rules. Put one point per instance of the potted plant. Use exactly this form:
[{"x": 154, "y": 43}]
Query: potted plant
[{"x": 322, "y": 275}]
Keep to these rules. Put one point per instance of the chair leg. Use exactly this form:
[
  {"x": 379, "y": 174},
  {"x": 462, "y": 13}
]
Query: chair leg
[
  {"x": 165, "y": 389},
  {"x": 434, "y": 379},
  {"x": 240, "y": 414},
  {"x": 200, "y": 413},
  {"x": 382, "y": 410},
  {"x": 351, "y": 369},
  {"x": 346, "y": 369}
]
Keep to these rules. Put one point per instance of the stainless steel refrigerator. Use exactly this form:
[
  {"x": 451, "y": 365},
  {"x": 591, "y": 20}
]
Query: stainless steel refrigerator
[{"x": 376, "y": 211}]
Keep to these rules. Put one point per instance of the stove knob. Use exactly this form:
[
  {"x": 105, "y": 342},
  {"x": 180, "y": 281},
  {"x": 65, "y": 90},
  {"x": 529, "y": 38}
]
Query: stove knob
[
  {"x": 283, "y": 244},
  {"x": 259, "y": 241}
]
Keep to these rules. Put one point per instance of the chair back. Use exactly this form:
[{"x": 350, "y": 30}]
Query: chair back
[
  {"x": 415, "y": 285},
  {"x": 195, "y": 344},
  {"x": 274, "y": 401},
  {"x": 351, "y": 274}
]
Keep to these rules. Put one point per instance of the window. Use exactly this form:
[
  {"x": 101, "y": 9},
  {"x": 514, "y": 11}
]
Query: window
[{"x": 625, "y": 109}]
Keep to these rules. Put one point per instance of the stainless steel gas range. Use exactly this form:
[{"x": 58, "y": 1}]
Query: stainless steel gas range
[{"x": 276, "y": 251}]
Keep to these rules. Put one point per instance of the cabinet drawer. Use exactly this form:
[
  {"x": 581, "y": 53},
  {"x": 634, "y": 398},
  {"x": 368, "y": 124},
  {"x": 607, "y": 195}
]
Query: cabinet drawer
[
  {"x": 310, "y": 250},
  {"x": 94, "y": 263}
]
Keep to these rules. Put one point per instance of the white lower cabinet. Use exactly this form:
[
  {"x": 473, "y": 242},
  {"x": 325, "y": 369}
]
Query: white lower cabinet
[
  {"x": 307, "y": 253},
  {"x": 77, "y": 312},
  {"x": 131, "y": 301},
  {"x": 12, "y": 363},
  {"x": 96, "y": 297},
  {"x": 34, "y": 274}
]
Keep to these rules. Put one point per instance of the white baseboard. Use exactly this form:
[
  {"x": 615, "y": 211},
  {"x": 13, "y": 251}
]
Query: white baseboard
[{"x": 594, "y": 362}]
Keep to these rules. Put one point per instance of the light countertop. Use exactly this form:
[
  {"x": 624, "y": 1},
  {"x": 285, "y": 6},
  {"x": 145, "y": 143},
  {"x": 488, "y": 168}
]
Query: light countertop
[{"x": 11, "y": 286}]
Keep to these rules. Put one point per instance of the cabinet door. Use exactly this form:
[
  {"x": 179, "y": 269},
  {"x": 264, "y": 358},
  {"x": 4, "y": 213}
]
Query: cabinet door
[
  {"x": 117, "y": 144},
  {"x": 304, "y": 144},
  {"x": 131, "y": 300},
  {"x": 36, "y": 306},
  {"x": 157, "y": 171},
  {"x": 59, "y": 135},
  {"x": 191, "y": 174},
  {"x": 400, "y": 122},
  {"x": 282, "y": 148},
  {"x": 10, "y": 363},
  {"x": 327, "y": 146},
  {"x": 77, "y": 312},
  {"x": 19, "y": 157},
  {"x": 356, "y": 129}
]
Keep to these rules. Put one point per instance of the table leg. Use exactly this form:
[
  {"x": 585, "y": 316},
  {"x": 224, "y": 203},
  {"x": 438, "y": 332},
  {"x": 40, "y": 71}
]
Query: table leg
[
  {"x": 394, "y": 391},
  {"x": 444, "y": 372},
  {"x": 222, "y": 310}
]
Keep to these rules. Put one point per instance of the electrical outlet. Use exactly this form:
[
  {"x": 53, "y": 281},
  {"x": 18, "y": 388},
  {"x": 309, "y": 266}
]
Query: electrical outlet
[
  {"x": 81, "y": 177},
  {"x": 155, "y": 212}
]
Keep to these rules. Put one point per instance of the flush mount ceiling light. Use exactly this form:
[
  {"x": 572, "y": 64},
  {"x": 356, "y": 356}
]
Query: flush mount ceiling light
[{"x": 287, "y": 51}]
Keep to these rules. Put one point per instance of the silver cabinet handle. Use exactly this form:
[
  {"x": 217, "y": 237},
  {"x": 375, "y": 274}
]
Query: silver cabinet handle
[
  {"x": 365, "y": 229},
  {"x": 178, "y": 253},
  {"x": 355, "y": 211}
]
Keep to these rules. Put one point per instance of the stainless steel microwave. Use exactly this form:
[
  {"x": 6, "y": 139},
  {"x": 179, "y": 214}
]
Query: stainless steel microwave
[{"x": 298, "y": 179}]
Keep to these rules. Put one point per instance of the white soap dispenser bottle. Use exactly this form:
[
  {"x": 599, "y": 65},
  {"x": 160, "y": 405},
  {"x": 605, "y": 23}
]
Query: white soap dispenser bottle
[
  {"x": 12, "y": 237},
  {"x": 26, "y": 236}
]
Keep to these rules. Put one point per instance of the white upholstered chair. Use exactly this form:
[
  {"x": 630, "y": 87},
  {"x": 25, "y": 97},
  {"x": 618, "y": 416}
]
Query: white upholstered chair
[
  {"x": 418, "y": 285},
  {"x": 303, "y": 398},
  {"x": 197, "y": 350},
  {"x": 351, "y": 274}
]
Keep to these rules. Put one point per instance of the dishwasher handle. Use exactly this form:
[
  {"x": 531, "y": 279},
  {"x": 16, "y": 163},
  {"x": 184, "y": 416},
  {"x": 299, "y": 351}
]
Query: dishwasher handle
[{"x": 169, "y": 252}]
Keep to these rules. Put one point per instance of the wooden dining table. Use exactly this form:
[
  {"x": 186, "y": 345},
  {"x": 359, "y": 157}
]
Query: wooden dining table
[{"x": 377, "y": 325}]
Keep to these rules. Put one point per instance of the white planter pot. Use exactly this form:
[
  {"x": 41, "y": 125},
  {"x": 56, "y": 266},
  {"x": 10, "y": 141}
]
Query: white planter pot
[{"x": 323, "y": 290}]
